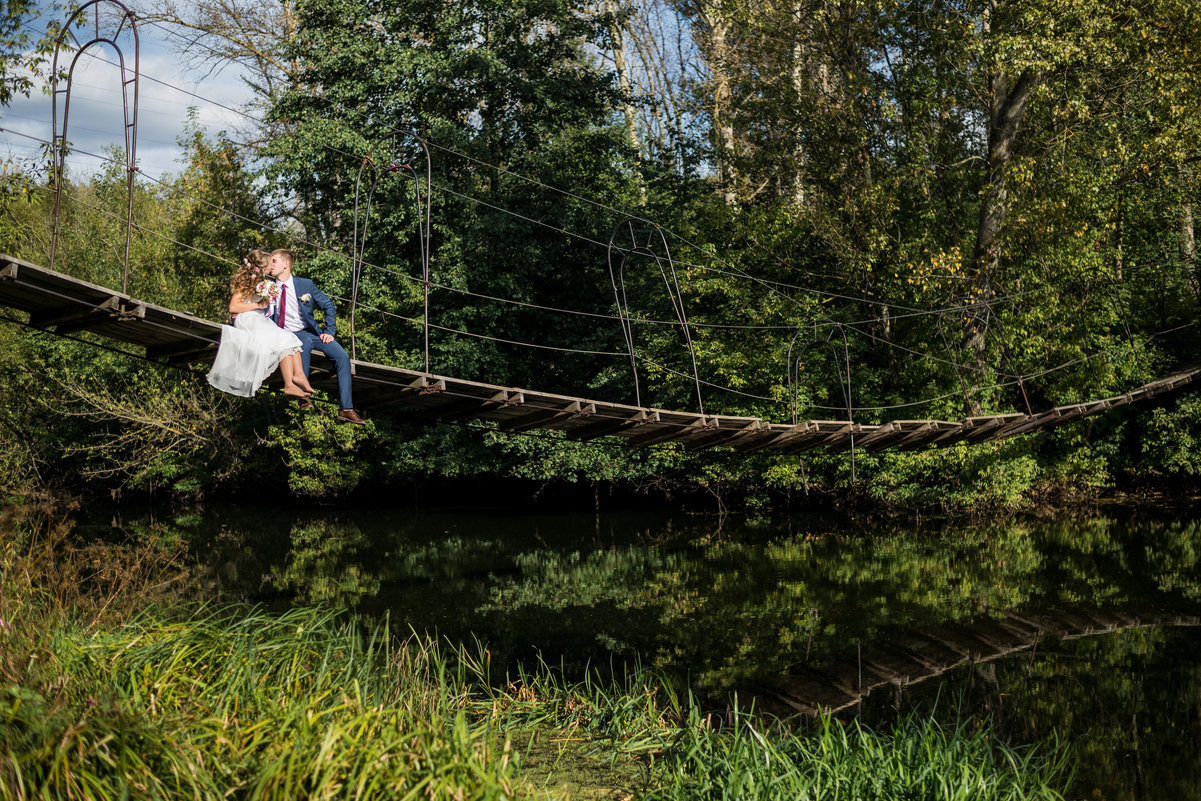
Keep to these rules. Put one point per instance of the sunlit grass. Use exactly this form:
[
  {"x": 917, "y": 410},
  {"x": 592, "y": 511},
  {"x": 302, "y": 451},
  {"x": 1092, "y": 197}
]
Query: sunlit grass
[
  {"x": 244, "y": 704},
  {"x": 233, "y": 702}
]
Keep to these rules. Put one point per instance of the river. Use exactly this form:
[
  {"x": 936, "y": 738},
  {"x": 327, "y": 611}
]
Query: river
[{"x": 1080, "y": 628}]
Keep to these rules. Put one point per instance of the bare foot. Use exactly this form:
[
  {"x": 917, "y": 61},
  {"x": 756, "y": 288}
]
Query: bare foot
[
  {"x": 306, "y": 386},
  {"x": 295, "y": 391}
]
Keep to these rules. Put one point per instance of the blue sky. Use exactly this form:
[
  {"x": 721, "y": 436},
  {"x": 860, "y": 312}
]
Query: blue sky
[{"x": 166, "y": 91}]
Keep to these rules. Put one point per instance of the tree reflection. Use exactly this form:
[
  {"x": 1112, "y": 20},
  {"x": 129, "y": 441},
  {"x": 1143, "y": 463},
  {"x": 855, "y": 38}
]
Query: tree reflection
[{"x": 324, "y": 567}]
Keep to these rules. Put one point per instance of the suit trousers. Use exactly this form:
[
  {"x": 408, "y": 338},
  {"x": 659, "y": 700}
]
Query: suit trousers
[{"x": 336, "y": 354}]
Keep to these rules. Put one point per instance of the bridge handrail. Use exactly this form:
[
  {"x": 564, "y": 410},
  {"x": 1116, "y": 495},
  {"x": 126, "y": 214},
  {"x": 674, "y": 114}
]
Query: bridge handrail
[
  {"x": 667, "y": 272},
  {"x": 59, "y": 142},
  {"x": 359, "y": 242}
]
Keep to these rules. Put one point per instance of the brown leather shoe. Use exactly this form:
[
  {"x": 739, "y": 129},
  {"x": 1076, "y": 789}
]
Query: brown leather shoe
[
  {"x": 305, "y": 403},
  {"x": 350, "y": 416}
]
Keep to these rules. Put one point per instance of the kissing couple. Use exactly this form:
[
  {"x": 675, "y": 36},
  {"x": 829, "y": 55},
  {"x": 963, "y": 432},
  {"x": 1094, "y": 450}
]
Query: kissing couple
[{"x": 273, "y": 326}]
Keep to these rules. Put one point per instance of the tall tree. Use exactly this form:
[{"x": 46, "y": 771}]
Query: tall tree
[
  {"x": 247, "y": 36},
  {"x": 499, "y": 90}
]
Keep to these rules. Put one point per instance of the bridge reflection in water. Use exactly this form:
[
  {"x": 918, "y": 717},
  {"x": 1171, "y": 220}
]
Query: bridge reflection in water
[
  {"x": 65, "y": 305},
  {"x": 923, "y": 654}
]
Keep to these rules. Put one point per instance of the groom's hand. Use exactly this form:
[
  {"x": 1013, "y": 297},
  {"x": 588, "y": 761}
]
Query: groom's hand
[{"x": 327, "y": 338}]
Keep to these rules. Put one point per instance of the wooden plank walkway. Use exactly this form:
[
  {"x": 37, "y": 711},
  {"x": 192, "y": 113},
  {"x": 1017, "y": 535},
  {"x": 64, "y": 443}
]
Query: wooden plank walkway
[
  {"x": 64, "y": 305},
  {"x": 927, "y": 653}
]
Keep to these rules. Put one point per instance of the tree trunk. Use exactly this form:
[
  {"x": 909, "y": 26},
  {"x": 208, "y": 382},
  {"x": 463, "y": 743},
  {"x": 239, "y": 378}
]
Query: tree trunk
[
  {"x": 1007, "y": 107},
  {"x": 723, "y": 127},
  {"x": 1188, "y": 252},
  {"x": 623, "y": 79}
]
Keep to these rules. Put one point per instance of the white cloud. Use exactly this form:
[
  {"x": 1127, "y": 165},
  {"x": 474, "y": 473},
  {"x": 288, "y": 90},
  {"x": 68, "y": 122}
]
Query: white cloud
[{"x": 166, "y": 90}]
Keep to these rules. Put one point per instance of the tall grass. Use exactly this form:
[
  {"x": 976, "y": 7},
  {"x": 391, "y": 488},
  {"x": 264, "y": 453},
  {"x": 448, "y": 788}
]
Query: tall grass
[
  {"x": 243, "y": 704},
  {"x": 918, "y": 760},
  {"x": 235, "y": 703},
  {"x": 737, "y": 755},
  {"x": 206, "y": 703}
]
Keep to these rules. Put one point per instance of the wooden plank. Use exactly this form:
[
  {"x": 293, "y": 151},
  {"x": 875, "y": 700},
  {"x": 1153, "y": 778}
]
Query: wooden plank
[
  {"x": 385, "y": 393},
  {"x": 823, "y": 433},
  {"x": 913, "y": 434},
  {"x": 777, "y": 434},
  {"x": 542, "y": 418},
  {"x": 182, "y": 350},
  {"x": 723, "y": 436},
  {"x": 474, "y": 407},
  {"x": 605, "y": 426},
  {"x": 843, "y": 445},
  {"x": 886, "y": 431},
  {"x": 667, "y": 431},
  {"x": 976, "y": 429},
  {"x": 75, "y": 316}
]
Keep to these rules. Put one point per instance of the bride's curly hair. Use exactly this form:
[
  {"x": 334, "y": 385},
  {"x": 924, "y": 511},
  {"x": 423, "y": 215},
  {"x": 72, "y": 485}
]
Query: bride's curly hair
[{"x": 253, "y": 270}]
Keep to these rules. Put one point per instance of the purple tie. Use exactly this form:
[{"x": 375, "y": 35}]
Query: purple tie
[{"x": 283, "y": 303}]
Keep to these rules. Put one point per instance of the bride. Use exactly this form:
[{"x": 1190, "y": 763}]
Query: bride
[{"x": 254, "y": 346}]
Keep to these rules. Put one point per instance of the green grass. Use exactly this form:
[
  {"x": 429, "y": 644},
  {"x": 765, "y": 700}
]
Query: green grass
[
  {"x": 108, "y": 700},
  {"x": 243, "y": 704}
]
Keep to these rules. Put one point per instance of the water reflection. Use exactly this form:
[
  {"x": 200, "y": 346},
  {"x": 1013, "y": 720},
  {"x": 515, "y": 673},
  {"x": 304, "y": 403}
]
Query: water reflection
[
  {"x": 725, "y": 605},
  {"x": 738, "y": 604},
  {"x": 916, "y": 656}
]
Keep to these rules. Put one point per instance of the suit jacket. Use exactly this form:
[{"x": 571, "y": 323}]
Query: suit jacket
[{"x": 316, "y": 300}]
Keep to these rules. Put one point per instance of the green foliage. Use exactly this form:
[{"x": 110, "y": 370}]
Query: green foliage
[
  {"x": 853, "y": 169},
  {"x": 18, "y": 49},
  {"x": 984, "y": 475},
  {"x": 323, "y": 458},
  {"x": 1169, "y": 446},
  {"x": 218, "y": 217}
]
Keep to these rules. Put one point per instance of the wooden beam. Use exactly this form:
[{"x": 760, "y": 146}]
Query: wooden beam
[
  {"x": 828, "y": 432},
  {"x": 668, "y": 432},
  {"x": 75, "y": 316},
  {"x": 723, "y": 436},
  {"x": 541, "y": 418},
  {"x": 602, "y": 427},
  {"x": 390, "y": 393},
  {"x": 180, "y": 350},
  {"x": 473, "y": 407},
  {"x": 933, "y": 430}
]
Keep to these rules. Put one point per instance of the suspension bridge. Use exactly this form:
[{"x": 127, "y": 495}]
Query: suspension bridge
[
  {"x": 54, "y": 301},
  {"x": 922, "y": 654},
  {"x": 64, "y": 305}
]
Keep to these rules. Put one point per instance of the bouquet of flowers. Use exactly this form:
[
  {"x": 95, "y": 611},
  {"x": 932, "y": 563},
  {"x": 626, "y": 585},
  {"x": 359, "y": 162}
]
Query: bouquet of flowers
[{"x": 267, "y": 290}]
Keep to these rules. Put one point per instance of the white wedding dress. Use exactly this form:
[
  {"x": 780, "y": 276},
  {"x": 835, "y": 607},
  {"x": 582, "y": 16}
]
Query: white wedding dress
[{"x": 250, "y": 351}]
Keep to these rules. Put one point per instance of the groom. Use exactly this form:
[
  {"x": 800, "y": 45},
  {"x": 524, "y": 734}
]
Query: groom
[{"x": 294, "y": 312}]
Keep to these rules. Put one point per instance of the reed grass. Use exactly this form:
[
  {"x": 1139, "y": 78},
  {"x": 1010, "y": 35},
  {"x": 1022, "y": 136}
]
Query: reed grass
[
  {"x": 235, "y": 703},
  {"x": 239, "y": 703},
  {"x": 917, "y": 760}
]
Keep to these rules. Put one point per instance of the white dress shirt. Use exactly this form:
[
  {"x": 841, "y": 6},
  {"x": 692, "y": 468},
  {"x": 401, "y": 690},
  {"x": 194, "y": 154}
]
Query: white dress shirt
[{"x": 292, "y": 319}]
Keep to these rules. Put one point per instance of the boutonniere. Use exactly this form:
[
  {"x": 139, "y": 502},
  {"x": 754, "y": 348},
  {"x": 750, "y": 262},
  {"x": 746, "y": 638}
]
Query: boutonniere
[{"x": 306, "y": 297}]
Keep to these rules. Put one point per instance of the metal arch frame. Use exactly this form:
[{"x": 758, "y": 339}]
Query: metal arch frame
[
  {"x": 942, "y": 333},
  {"x": 359, "y": 243},
  {"x": 667, "y": 272},
  {"x": 842, "y": 368},
  {"x": 59, "y": 142},
  {"x": 987, "y": 317}
]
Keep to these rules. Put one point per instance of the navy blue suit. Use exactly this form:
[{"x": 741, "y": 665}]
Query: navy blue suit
[{"x": 310, "y": 335}]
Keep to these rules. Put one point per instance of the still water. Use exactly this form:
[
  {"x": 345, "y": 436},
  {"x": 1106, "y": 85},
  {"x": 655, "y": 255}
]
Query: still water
[{"x": 1077, "y": 628}]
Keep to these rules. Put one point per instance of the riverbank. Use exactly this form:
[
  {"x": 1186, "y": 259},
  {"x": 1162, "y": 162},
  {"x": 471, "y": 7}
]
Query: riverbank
[{"x": 110, "y": 687}]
